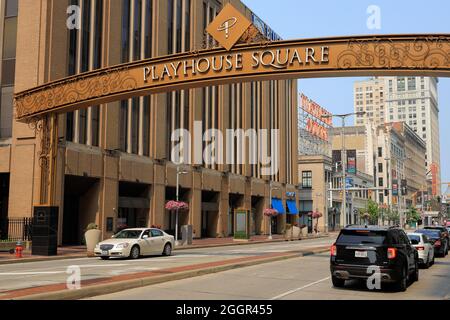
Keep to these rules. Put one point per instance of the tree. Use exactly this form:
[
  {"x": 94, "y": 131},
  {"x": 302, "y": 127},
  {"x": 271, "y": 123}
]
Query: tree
[
  {"x": 412, "y": 216},
  {"x": 374, "y": 212},
  {"x": 393, "y": 217},
  {"x": 364, "y": 215}
]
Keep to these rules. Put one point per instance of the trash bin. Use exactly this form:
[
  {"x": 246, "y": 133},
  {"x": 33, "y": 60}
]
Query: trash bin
[{"x": 186, "y": 235}]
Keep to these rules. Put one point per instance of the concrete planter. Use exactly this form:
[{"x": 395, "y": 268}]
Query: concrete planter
[
  {"x": 305, "y": 232},
  {"x": 93, "y": 237},
  {"x": 293, "y": 233}
]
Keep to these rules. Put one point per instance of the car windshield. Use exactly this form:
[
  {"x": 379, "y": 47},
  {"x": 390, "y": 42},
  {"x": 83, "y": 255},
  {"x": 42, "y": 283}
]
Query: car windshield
[
  {"x": 128, "y": 234},
  {"x": 361, "y": 237},
  {"x": 414, "y": 239},
  {"x": 434, "y": 234}
]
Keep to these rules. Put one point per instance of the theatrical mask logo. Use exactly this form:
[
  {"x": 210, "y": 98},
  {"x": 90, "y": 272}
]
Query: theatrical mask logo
[{"x": 227, "y": 25}]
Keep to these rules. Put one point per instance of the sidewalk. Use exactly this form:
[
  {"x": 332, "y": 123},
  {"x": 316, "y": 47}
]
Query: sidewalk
[{"x": 80, "y": 251}]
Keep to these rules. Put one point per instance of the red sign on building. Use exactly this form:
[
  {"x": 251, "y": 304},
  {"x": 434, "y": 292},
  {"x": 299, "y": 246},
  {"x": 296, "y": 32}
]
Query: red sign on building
[{"x": 317, "y": 124}]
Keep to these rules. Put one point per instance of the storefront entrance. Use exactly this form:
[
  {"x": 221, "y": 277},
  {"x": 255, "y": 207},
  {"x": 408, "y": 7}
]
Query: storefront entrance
[
  {"x": 80, "y": 207},
  {"x": 134, "y": 205},
  {"x": 210, "y": 214}
]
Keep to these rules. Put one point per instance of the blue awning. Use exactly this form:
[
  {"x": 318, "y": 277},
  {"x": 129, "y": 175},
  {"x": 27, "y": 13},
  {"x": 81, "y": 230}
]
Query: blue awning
[
  {"x": 277, "y": 204},
  {"x": 292, "y": 206}
]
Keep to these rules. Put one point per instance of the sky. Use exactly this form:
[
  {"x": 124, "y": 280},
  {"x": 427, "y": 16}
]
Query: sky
[{"x": 296, "y": 19}]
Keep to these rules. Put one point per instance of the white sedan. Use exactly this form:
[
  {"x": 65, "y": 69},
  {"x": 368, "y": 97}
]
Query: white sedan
[
  {"x": 424, "y": 247},
  {"x": 134, "y": 243}
]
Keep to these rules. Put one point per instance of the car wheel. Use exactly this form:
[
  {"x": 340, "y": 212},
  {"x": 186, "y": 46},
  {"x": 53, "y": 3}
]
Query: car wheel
[
  {"x": 167, "y": 250},
  {"x": 402, "y": 284},
  {"x": 415, "y": 277},
  {"x": 338, "y": 283},
  {"x": 135, "y": 253},
  {"x": 428, "y": 264}
]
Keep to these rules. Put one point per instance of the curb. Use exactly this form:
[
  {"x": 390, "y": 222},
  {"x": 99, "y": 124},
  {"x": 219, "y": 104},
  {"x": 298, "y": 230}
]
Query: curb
[
  {"x": 109, "y": 288},
  {"x": 59, "y": 258},
  {"x": 249, "y": 243}
]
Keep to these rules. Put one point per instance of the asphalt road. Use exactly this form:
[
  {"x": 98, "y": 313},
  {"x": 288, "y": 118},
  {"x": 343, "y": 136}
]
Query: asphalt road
[
  {"x": 36, "y": 274},
  {"x": 306, "y": 278}
]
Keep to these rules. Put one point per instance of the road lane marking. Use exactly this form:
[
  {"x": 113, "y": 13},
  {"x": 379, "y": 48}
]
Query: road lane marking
[
  {"x": 31, "y": 273},
  {"x": 299, "y": 289}
]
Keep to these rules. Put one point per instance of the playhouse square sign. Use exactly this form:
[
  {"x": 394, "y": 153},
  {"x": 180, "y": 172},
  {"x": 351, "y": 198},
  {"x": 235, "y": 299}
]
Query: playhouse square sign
[
  {"x": 244, "y": 55},
  {"x": 273, "y": 59}
]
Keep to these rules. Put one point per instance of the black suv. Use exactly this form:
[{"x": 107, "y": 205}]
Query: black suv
[{"x": 360, "y": 247}]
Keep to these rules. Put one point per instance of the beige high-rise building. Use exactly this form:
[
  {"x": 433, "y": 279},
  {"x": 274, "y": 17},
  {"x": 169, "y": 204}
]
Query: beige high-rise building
[
  {"x": 114, "y": 161},
  {"x": 412, "y": 100},
  {"x": 370, "y": 98}
]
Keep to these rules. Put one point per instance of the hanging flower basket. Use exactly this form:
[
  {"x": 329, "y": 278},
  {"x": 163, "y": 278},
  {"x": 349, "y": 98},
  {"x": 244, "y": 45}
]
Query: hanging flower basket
[
  {"x": 270, "y": 212},
  {"x": 177, "y": 205},
  {"x": 315, "y": 215}
]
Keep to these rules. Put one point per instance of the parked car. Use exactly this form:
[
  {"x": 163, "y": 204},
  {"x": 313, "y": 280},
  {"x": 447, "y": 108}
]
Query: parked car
[
  {"x": 359, "y": 247},
  {"x": 134, "y": 243},
  {"x": 438, "y": 239},
  {"x": 424, "y": 247},
  {"x": 445, "y": 232}
]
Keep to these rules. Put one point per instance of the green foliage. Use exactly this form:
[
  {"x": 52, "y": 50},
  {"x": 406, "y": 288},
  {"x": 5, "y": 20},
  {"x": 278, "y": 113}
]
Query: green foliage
[
  {"x": 412, "y": 216},
  {"x": 393, "y": 216},
  {"x": 374, "y": 212}
]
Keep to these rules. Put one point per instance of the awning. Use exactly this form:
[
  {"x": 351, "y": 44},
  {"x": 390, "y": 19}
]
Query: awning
[
  {"x": 277, "y": 204},
  {"x": 292, "y": 206}
]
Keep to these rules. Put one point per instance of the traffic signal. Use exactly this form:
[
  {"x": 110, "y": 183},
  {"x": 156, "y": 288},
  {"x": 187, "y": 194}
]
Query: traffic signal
[{"x": 404, "y": 187}]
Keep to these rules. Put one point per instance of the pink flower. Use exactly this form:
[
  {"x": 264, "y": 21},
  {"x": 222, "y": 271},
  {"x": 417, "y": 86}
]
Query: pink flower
[
  {"x": 315, "y": 215},
  {"x": 177, "y": 205},
  {"x": 270, "y": 212}
]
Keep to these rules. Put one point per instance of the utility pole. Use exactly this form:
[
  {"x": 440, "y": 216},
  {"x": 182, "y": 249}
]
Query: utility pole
[
  {"x": 344, "y": 175},
  {"x": 344, "y": 163}
]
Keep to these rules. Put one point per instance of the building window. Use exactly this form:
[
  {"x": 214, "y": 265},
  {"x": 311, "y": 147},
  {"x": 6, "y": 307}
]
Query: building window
[
  {"x": 380, "y": 168},
  {"x": 380, "y": 152},
  {"x": 307, "y": 179},
  {"x": 85, "y": 54},
  {"x": 137, "y": 44},
  {"x": 401, "y": 84},
  {"x": 380, "y": 182},
  {"x": 412, "y": 83}
]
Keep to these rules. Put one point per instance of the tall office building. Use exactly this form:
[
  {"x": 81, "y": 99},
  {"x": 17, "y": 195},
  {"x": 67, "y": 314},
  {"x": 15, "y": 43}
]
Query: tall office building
[
  {"x": 8, "y": 32},
  {"x": 370, "y": 98},
  {"x": 115, "y": 165},
  {"x": 412, "y": 100}
]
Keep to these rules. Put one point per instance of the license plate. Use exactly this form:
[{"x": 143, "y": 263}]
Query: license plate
[
  {"x": 361, "y": 254},
  {"x": 105, "y": 253}
]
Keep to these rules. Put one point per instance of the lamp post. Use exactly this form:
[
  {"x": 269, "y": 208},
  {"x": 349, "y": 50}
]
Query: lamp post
[
  {"x": 270, "y": 199},
  {"x": 343, "y": 117},
  {"x": 179, "y": 173}
]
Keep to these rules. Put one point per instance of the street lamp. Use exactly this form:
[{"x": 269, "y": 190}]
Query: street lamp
[
  {"x": 270, "y": 199},
  {"x": 343, "y": 117},
  {"x": 179, "y": 173}
]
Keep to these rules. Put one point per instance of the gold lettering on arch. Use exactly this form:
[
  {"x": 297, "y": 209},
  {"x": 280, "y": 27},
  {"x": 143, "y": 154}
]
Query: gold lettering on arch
[{"x": 427, "y": 55}]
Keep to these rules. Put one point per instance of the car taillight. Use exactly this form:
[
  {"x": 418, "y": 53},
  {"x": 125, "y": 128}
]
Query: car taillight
[
  {"x": 333, "y": 250},
  {"x": 438, "y": 243},
  {"x": 392, "y": 253},
  {"x": 420, "y": 248}
]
